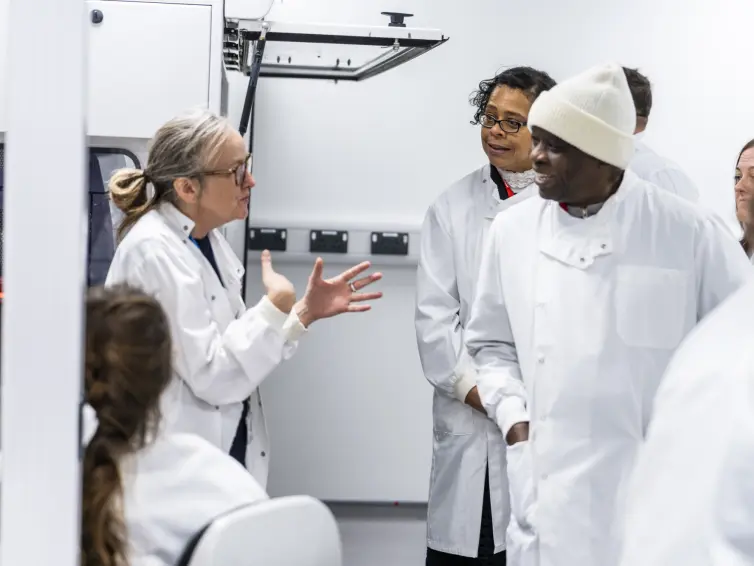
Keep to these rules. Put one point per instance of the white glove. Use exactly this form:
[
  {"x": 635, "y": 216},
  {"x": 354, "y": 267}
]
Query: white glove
[{"x": 522, "y": 534}]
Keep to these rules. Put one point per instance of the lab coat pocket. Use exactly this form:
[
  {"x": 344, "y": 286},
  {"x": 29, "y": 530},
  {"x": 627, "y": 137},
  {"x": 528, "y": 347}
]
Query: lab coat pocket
[
  {"x": 521, "y": 482},
  {"x": 521, "y": 546},
  {"x": 650, "y": 306},
  {"x": 451, "y": 416}
]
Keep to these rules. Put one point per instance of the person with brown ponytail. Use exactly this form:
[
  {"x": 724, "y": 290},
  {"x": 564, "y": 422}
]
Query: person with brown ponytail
[
  {"x": 144, "y": 494},
  {"x": 197, "y": 179},
  {"x": 745, "y": 196}
]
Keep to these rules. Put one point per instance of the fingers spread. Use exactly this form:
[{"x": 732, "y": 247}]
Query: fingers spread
[
  {"x": 368, "y": 280},
  {"x": 349, "y": 274},
  {"x": 359, "y": 308},
  {"x": 359, "y": 297},
  {"x": 317, "y": 271}
]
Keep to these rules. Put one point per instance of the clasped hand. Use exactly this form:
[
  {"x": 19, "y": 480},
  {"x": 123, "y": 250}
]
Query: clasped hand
[{"x": 323, "y": 298}]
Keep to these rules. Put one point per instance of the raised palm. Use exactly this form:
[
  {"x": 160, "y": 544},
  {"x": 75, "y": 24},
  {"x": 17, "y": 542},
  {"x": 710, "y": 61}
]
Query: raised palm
[{"x": 325, "y": 298}]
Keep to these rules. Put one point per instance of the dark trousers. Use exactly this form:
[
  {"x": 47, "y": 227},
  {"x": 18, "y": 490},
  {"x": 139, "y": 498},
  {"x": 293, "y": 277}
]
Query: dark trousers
[
  {"x": 487, "y": 556},
  {"x": 238, "y": 448}
]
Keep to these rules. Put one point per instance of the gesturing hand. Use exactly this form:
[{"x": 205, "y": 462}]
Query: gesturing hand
[
  {"x": 280, "y": 291},
  {"x": 325, "y": 298}
]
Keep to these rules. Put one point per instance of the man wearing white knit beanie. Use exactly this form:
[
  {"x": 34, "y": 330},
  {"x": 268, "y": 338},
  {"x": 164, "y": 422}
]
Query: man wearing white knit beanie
[{"x": 584, "y": 294}]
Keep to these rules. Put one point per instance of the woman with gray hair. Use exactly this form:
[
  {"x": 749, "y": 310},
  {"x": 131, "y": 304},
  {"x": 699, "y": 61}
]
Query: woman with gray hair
[{"x": 170, "y": 246}]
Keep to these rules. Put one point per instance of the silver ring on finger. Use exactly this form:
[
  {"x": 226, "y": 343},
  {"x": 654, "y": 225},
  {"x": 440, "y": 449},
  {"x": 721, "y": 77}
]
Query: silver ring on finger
[{"x": 353, "y": 287}]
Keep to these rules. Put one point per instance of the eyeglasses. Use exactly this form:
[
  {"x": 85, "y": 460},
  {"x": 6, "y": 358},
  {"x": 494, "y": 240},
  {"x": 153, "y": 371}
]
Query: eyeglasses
[
  {"x": 239, "y": 171},
  {"x": 509, "y": 125}
]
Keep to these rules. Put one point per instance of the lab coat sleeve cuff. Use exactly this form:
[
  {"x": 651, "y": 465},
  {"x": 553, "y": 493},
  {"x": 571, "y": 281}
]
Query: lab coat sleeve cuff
[
  {"x": 509, "y": 412},
  {"x": 464, "y": 385},
  {"x": 293, "y": 329},
  {"x": 271, "y": 314}
]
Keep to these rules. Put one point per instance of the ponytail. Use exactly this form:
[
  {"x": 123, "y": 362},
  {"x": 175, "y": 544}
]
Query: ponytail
[
  {"x": 128, "y": 191},
  {"x": 103, "y": 533}
]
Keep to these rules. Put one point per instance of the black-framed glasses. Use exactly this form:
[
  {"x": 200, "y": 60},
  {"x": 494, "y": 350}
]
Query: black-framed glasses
[
  {"x": 509, "y": 125},
  {"x": 239, "y": 171}
]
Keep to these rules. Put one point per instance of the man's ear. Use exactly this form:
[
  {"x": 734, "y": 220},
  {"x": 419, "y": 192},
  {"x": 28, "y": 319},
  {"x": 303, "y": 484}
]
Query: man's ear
[{"x": 186, "y": 189}]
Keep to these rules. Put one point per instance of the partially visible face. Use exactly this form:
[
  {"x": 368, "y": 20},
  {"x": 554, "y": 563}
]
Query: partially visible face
[
  {"x": 509, "y": 151},
  {"x": 223, "y": 198},
  {"x": 564, "y": 173},
  {"x": 744, "y": 188}
]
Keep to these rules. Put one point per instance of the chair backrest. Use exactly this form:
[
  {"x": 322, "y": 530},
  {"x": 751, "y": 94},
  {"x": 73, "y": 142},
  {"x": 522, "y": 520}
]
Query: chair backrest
[{"x": 284, "y": 531}]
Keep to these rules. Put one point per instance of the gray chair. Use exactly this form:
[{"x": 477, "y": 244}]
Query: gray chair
[{"x": 284, "y": 531}]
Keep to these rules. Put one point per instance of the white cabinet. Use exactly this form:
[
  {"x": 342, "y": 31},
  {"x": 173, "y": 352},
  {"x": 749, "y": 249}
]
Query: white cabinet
[{"x": 147, "y": 62}]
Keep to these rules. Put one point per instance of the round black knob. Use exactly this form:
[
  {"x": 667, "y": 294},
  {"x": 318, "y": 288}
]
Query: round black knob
[
  {"x": 397, "y": 18},
  {"x": 97, "y": 16}
]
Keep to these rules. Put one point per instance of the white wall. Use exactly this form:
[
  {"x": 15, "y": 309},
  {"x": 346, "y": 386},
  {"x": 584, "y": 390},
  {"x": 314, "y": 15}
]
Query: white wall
[{"x": 384, "y": 149}]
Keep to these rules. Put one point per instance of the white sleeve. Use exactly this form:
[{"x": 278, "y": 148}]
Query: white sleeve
[
  {"x": 721, "y": 264},
  {"x": 220, "y": 367},
  {"x": 437, "y": 318},
  {"x": 677, "y": 182},
  {"x": 490, "y": 343}
]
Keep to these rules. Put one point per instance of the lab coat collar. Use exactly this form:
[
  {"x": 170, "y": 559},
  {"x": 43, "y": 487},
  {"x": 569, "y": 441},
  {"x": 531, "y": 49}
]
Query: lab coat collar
[
  {"x": 228, "y": 263},
  {"x": 493, "y": 203},
  {"x": 579, "y": 242},
  {"x": 176, "y": 219}
]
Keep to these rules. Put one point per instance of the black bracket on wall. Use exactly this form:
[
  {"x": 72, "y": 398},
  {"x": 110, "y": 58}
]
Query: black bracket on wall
[
  {"x": 273, "y": 239},
  {"x": 328, "y": 241},
  {"x": 389, "y": 243}
]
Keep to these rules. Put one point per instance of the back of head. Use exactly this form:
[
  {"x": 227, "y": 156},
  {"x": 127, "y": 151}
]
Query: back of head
[
  {"x": 593, "y": 111},
  {"x": 528, "y": 80},
  {"x": 641, "y": 91},
  {"x": 128, "y": 353},
  {"x": 183, "y": 147}
]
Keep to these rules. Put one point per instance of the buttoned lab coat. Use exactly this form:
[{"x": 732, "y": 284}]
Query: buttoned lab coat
[
  {"x": 453, "y": 236},
  {"x": 222, "y": 351},
  {"x": 660, "y": 171},
  {"x": 572, "y": 330},
  {"x": 691, "y": 496},
  {"x": 175, "y": 487}
]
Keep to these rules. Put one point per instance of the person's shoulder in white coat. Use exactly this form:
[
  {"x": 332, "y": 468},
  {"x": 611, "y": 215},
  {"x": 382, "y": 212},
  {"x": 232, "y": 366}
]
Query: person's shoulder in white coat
[
  {"x": 663, "y": 172},
  {"x": 173, "y": 488},
  {"x": 691, "y": 497},
  {"x": 463, "y": 193}
]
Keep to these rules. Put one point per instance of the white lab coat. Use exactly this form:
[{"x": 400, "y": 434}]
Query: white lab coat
[
  {"x": 660, "y": 171},
  {"x": 691, "y": 497},
  {"x": 175, "y": 487},
  {"x": 222, "y": 351},
  {"x": 453, "y": 236},
  {"x": 572, "y": 329}
]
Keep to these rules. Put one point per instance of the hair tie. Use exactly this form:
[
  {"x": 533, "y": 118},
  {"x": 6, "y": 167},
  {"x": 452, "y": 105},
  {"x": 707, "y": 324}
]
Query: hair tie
[
  {"x": 145, "y": 176},
  {"x": 89, "y": 424}
]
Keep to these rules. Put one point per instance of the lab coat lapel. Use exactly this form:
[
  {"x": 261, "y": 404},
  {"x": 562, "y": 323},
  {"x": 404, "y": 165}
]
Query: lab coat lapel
[
  {"x": 224, "y": 297},
  {"x": 573, "y": 241},
  {"x": 578, "y": 242},
  {"x": 232, "y": 272},
  {"x": 493, "y": 204}
]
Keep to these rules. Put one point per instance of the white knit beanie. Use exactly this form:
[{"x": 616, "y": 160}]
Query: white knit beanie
[{"x": 593, "y": 111}]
